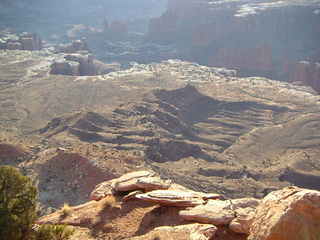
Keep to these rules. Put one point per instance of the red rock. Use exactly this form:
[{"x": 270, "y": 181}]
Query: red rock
[
  {"x": 194, "y": 231},
  {"x": 214, "y": 212},
  {"x": 288, "y": 214},
  {"x": 254, "y": 40},
  {"x": 145, "y": 183},
  {"x": 172, "y": 198},
  {"x": 306, "y": 73},
  {"x": 218, "y": 212},
  {"x": 243, "y": 221},
  {"x": 109, "y": 187}
]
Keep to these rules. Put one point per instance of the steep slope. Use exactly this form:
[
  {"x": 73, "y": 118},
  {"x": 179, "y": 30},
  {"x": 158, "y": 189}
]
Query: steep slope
[
  {"x": 184, "y": 132},
  {"x": 201, "y": 126},
  {"x": 274, "y": 39}
]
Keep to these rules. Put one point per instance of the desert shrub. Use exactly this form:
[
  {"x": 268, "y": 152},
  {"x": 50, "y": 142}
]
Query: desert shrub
[
  {"x": 18, "y": 203},
  {"x": 54, "y": 232},
  {"x": 66, "y": 210},
  {"x": 109, "y": 202}
]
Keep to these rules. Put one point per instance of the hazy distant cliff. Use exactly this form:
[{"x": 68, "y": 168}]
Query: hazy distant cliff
[{"x": 256, "y": 37}]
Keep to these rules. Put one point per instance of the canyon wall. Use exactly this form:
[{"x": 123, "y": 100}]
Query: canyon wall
[{"x": 275, "y": 39}]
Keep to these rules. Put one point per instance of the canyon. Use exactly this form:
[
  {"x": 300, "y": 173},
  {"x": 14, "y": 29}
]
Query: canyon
[
  {"x": 185, "y": 119},
  {"x": 274, "y": 39}
]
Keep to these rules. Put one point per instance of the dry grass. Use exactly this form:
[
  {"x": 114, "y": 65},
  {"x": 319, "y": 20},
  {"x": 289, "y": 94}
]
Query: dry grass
[
  {"x": 66, "y": 210},
  {"x": 109, "y": 202}
]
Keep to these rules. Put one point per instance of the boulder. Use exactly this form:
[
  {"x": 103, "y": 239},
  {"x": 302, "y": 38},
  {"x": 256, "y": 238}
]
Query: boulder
[
  {"x": 219, "y": 212},
  {"x": 172, "y": 198},
  {"x": 243, "y": 221},
  {"x": 145, "y": 183},
  {"x": 101, "y": 191},
  {"x": 134, "y": 175},
  {"x": 288, "y": 214},
  {"x": 108, "y": 187},
  {"x": 205, "y": 196},
  {"x": 244, "y": 210},
  {"x": 250, "y": 203},
  {"x": 215, "y": 212},
  {"x": 131, "y": 195},
  {"x": 191, "y": 232}
]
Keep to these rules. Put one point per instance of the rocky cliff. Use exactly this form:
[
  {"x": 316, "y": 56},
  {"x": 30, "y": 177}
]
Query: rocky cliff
[
  {"x": 256, "y": 37},
  {"x": 141, "y": 205},
  {"x": 201, "y": 126}
]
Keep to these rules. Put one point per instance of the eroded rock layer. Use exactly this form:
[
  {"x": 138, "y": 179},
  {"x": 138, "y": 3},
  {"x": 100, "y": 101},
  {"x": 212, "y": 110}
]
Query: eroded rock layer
[
  {"x": 263, "y": 38},
  {"x": 287, "y": 214}
]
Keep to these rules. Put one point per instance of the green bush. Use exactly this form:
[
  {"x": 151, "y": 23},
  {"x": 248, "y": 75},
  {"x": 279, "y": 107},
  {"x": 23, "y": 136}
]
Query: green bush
[
  {"x": 18, "y": 203},
  {"x": 54, "y": 232}
]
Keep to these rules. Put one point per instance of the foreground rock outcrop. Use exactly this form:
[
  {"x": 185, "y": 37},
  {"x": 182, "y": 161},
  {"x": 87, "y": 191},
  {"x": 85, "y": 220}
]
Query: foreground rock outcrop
[
  {"x": 288, "y": 214},
  {"x": 291, "y": 213},
  {"x": 189, "y": 231}
]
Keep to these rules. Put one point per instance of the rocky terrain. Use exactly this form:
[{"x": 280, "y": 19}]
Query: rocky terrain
[
  {"x": 172, "y": 134},
  {"x": 201, "y": 126},
  {"x": 275, "y": 39},
  {"x": 140, "y": 205}
]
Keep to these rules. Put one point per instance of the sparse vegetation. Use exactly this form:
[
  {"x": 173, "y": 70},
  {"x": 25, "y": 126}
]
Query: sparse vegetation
[
  {"x": 109, "y": 202},
  {"x": 66, "y": 210},
  {"x": 18, "y": 203},
  {"x": 54, "y": 232}
]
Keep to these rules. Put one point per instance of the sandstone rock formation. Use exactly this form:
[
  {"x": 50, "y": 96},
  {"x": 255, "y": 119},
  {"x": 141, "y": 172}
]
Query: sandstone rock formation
[
  {"x": 190, "y": 231},
  {"x": 244, "y": 127},
  {"x": 172, "y": 198},
  {"x": 80, "y": 64},
  {"x": 243, "y": 220},
  {"x": 306, "y": 73},
  {"x": 73, "y": 47},
  {"x": 64, "y": 67},
  {"x": 218, "y": 212},
  {"x": 142, "y": 180},
  {"x": 288, "y": 214},
  {"x": 213, "y": 212},
  {"x": 30, "y": 41},
  {"x": 23, "y": 41},
  {"x": 254, "y": 37},
  {"x": 147, "y": 183}
]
